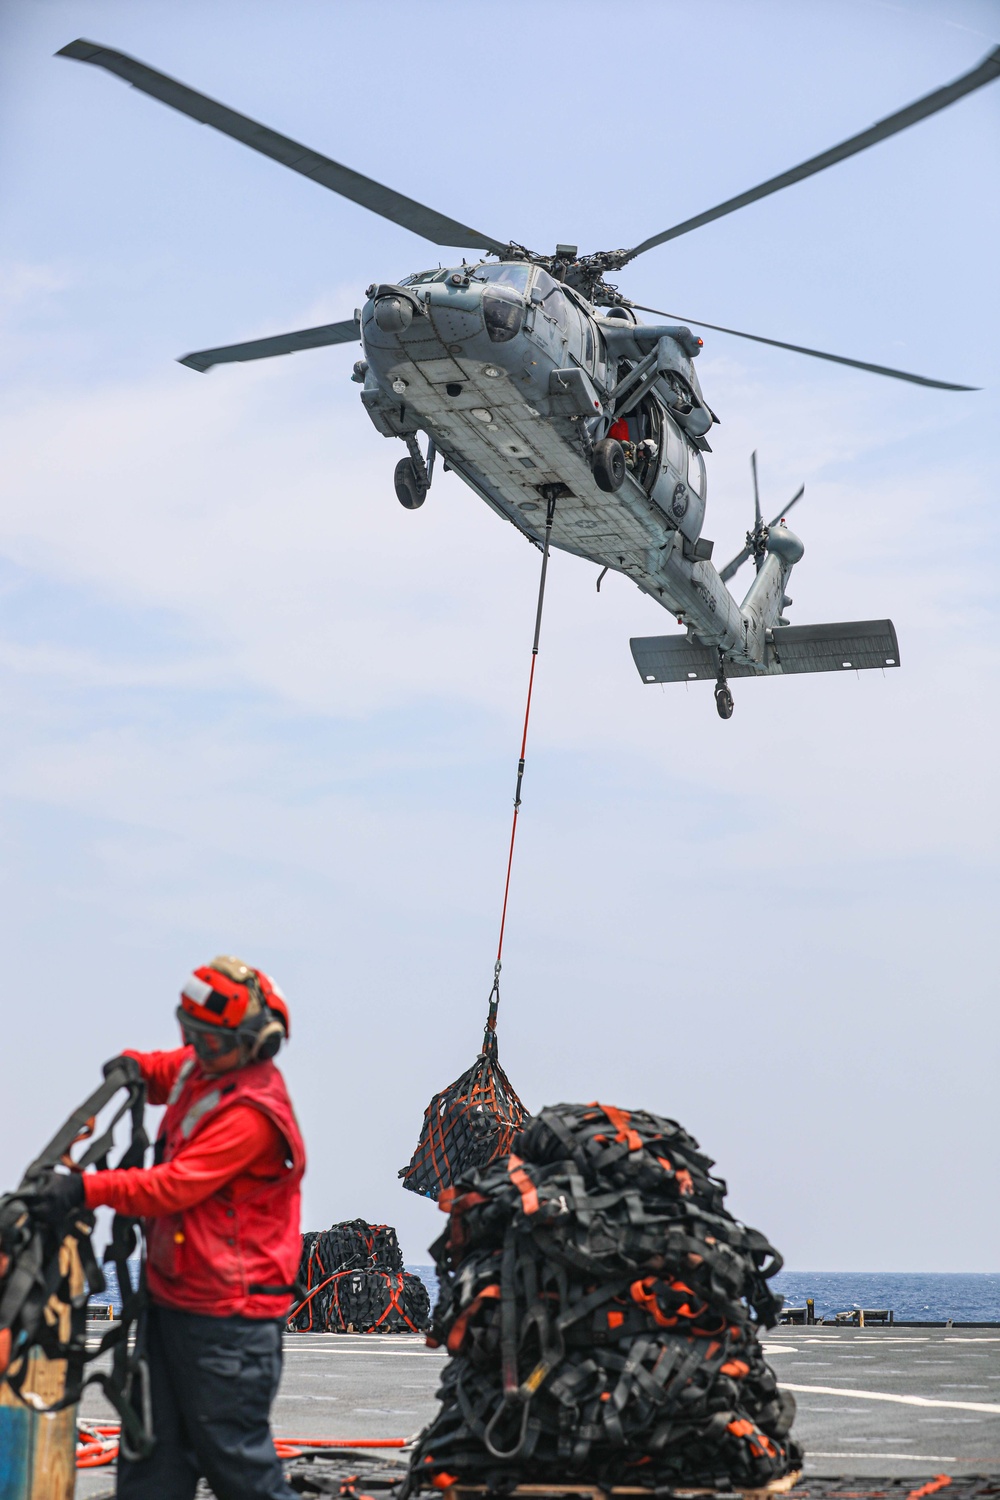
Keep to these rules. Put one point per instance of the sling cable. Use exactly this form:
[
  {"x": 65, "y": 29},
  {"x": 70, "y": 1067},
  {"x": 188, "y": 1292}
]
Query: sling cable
[{"x": 474, "y": 1120}]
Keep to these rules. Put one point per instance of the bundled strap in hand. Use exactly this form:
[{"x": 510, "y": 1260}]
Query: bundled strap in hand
[{"x": 46, "y": 1271}]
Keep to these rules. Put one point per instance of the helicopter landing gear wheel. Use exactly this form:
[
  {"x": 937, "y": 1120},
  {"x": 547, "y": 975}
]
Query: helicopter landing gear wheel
[
  {"x": 409, "y": 491},
  {"x": 723, "y": 700},
  {"x": 608, "y": 464}
]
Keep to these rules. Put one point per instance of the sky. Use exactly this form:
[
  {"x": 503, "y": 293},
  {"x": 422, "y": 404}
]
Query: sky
[{"x": 252, "y": 705}]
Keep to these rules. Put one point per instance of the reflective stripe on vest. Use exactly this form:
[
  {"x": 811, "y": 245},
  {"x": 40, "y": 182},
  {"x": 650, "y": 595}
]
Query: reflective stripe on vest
[
  {"x": 182, "y": 1077},
  {"x": 199, "y": 1107}
]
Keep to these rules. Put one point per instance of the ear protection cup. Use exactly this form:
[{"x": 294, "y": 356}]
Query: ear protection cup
[{"x": 267, "y": 1041}]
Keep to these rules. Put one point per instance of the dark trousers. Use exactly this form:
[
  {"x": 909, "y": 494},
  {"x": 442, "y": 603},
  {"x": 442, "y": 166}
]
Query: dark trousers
[{"x": 212, "y": 1382}]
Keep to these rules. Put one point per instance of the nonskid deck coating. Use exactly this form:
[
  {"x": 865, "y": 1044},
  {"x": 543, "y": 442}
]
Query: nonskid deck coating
[{"x": 872, "y": 1402}]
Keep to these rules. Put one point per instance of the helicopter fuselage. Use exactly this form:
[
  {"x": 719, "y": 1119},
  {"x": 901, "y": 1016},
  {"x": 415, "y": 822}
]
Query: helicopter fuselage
[{"x": 515, "y": 379}]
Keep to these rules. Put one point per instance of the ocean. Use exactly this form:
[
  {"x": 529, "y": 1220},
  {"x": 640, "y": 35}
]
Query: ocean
[{"x": 913, "y": 1296}]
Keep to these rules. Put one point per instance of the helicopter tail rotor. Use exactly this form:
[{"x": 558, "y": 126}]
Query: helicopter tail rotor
[
  {"x": 756, "y": 543},
  {"x": 758, "y": 536}
]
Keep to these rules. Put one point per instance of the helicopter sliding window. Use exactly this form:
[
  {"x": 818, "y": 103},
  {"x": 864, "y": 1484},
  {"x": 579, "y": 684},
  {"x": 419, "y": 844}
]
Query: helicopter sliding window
[
  {"x": 696, "y": 472},
  {"x": 675, "y": 448},
  {"x": 601, "y": 362},
  {"x": 548, "y": 295}
]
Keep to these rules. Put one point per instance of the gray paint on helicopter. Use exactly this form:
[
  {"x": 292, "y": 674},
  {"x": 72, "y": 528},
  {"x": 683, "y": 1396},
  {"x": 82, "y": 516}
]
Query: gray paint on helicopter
[{"x": 527, "y": 392}]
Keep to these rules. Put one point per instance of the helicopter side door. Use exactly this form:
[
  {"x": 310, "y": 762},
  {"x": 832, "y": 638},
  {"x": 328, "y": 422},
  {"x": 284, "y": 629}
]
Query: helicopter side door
[
  {"x": 557, "y": 323},
  {"x": 680, "y": 487}
]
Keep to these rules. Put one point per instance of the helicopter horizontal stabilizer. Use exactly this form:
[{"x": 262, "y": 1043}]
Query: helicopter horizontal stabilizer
[
  {"x": 348, "y": 332},
  {"x": 852, "y": 645}
]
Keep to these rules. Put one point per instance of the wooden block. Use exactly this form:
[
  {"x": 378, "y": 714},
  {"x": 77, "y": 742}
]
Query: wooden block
[{"x": 37, "y": 1450}]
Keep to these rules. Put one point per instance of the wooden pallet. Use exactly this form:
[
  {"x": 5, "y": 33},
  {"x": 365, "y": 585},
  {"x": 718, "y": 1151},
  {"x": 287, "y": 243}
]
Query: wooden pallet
[{"x": 595, "y": 1492}]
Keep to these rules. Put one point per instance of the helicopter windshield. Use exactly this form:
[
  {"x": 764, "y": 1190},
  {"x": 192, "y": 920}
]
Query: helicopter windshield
[
  {"x": 508, "y": 273},
  {"x": 422, "y": 276}
]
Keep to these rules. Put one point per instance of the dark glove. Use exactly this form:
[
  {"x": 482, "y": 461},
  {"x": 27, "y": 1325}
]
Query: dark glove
[
  {"x": 133, "y": 1073},
  {"x": 54, "y": 1197}
]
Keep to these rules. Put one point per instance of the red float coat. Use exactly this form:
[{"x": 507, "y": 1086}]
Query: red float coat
[{"x": 222, "y": 1203}]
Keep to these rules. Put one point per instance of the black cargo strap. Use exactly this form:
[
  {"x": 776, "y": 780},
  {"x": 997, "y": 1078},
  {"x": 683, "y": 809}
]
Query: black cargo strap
[
  {"x": 601, "y": 1307},
  {"x": 37, "y": 1274}
]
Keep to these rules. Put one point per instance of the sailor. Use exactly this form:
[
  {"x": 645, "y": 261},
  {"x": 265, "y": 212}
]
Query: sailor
[{"x": 221, "y": 1211}]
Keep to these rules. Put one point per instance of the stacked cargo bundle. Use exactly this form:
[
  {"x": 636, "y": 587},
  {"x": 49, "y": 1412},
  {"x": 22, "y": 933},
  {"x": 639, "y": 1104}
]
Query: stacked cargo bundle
[
  {"x": 353, "y": 1282},
  {"x": 601, "y": 1307},
  {"x": 379, "y": 1302}
]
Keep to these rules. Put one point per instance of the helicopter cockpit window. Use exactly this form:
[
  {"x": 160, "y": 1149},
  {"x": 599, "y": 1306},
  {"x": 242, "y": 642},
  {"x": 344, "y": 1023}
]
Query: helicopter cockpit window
[
  {"x": 506, "y": 274},
  {"x": 422, "y": 276},
  {"x": 503, "y": 311}
]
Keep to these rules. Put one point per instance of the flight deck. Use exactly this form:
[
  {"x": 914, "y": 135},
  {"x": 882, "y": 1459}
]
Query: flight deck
[{"x": 885, "y": 1402}]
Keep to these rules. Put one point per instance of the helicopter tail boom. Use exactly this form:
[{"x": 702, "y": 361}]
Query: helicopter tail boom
[{"x": 853, "y": 645}]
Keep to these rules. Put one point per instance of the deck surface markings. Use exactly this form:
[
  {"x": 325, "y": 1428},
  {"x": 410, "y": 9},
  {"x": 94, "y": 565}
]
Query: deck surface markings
[{"x": 836, "y": 1390}]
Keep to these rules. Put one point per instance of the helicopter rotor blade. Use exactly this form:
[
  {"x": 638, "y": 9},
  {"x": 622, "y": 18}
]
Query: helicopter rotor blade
[
  {"x": 414, "y": 216},
  {"x": 737, "y": 562},
  {"x": 735, "y": 565},
  {"x": 984, "y": 72},
  {"x": 784, "y": 512},
  {"x": 837, "y": 359},
  {"x": 758, "y": 518},
  {"x": 347, "y": 332}
]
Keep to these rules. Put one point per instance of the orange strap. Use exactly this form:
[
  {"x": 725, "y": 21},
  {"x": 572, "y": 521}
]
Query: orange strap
[
  {"x": 395, "y": 1285},
  {"x": 523, "y": 1183},
  {"x": 619, "y": 1118},
  {"x": 760, "y": 1444},
  {"x": 457, "y": 1334}
]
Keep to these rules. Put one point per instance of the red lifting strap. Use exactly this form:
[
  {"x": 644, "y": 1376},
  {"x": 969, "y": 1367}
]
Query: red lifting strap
[{"x": 489, "y": 1042}]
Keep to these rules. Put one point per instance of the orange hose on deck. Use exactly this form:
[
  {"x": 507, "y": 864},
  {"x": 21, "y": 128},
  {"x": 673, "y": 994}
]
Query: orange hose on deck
[{"x": 98, "y": 1444}]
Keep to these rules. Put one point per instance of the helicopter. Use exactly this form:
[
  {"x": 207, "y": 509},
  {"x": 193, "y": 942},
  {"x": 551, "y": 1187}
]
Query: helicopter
[{"x": 530, "y": 377}]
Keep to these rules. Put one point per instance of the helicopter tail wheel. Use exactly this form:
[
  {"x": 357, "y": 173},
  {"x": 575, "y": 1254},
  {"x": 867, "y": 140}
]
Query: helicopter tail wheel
[
  {"x": 608, "y": 464},
  {"x": 723, "y": 701},
  {"x": 409, "y": 491}
]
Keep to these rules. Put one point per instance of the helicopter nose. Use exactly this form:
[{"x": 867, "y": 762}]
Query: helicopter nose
[{"x": 393, "y": 314}]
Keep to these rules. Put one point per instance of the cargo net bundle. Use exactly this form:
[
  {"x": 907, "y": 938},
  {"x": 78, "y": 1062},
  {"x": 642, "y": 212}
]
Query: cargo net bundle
[
  {"x": 353, "y": 1281},
  {"x": 467, "y": 1125},
  {"x": 601, "y": 1308}
]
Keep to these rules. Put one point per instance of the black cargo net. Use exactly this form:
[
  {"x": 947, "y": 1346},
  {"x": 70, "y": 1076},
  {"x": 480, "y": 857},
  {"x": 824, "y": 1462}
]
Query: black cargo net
[
  {"x": 469, "y": 1124},
  {"x": 352, "y": 1281},
  {"x": 601, "y": 1308}
]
